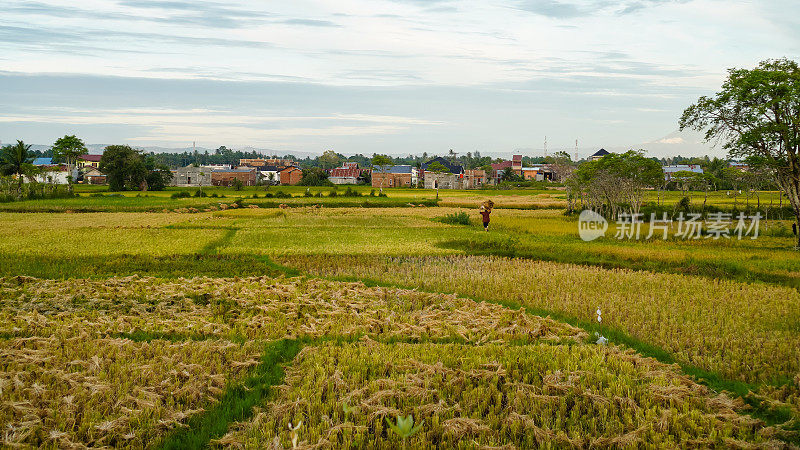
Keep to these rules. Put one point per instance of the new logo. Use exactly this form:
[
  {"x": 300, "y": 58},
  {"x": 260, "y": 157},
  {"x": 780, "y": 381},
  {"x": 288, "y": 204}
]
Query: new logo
[{"x": 591, "y": 225}]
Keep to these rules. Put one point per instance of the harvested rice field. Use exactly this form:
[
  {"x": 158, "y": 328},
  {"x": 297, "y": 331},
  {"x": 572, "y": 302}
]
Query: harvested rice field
[{"x": 320, "y": 327}]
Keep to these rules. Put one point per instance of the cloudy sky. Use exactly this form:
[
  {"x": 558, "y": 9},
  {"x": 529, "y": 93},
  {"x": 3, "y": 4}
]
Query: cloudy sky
[{"x": 387, "y": 76}]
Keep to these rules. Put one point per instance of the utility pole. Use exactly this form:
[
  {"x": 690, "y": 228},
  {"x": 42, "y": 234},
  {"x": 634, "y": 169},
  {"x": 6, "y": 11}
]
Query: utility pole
[
  {"x": 545, "y": 146},
  {"x": 576, "y": 150}
]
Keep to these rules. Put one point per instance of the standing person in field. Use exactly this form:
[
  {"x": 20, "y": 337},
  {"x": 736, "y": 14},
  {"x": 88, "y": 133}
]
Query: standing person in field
[{"x": 486, "y": 209}]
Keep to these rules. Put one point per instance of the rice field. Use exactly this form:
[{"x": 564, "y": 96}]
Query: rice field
[
  {"x": 328, "y": 324},
  {"x": 492, "y": 396}
]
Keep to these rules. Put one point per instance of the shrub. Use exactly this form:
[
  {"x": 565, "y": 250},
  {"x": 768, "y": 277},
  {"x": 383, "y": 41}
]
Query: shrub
[
  {"x": 350, "y": 192},
  {"x": 332, "y": 194},
  {"x": 200, "y": 193},
  {"x": 180, "y": 194},
  {"x": 459, "y": 218},
  {"x": 281, "y": 194},
  {"x": 684, "y": 204}
]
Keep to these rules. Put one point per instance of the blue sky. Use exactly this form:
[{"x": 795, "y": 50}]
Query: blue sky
[{"x": 386, "y": 76}]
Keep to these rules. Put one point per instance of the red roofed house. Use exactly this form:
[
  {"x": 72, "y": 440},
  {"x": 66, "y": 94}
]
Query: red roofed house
[
  {"x": 291, "y": 175},
  {"x": 88, "y": 161},
  {"x": 347, "y": 174}
]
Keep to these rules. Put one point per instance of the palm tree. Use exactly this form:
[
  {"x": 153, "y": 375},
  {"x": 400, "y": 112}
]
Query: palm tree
[{"x": 16, "y": 160}]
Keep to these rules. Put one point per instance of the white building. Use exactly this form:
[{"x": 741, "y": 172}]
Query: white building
[
  {"x": 58, "y": 175},
  {"x": 269, "y": 174},
  {"x": 669, "y": 170}
]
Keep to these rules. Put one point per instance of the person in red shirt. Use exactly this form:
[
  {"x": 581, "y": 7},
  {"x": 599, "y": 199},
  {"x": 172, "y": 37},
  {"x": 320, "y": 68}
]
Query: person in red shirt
[{"x": 485, "y": 213}]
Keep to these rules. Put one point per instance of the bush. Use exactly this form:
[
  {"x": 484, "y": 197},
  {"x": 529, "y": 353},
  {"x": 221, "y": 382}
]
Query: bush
[
  {"x": 255, "y": 195},
  {"x": 181, "y": 194},
  {"x": 98, "y": 194},
  {"x": 778, "y": 230},
  {"x": 214, "y": 195},
  {"x": 281, "y": 194},
  {"x": 332, "y": 194},
  {"x": 460, "y": 218},
  {"x": 308, "y": 193},
  {"x": 350, "y": 192},
  {"x": 372, "y": 193},
  {"x": 200, "y": 193},
  {"x": 268, "y": 195},
  {"x": 685, "y": 204}
]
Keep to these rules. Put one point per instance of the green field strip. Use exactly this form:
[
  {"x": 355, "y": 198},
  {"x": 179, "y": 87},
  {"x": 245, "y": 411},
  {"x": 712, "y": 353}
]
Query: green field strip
[
  {"x": 706, "y": 268},
  {"x": 101, "y": 267}
]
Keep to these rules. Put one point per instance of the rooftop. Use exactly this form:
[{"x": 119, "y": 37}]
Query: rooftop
[{"x": 393, "y": 169}]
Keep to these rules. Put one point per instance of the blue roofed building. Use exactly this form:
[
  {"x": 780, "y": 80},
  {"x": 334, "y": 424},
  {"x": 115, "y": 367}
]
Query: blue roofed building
[{"x": 43, "y": 162}]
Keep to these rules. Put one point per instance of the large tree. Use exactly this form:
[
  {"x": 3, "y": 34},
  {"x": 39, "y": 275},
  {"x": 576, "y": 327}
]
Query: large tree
[
  {"x": 16, "y": 160},
  {"x": 329, "y": 160},
  {"x": 69, "y": 148},
  {"x": 124, "y": 167},
  {"x": 757, "y": 113}
]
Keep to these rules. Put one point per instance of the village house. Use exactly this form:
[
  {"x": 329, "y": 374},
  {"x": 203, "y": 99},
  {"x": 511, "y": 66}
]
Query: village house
[
  {"x": 226, "y": 177},
  {"x": 599, "y": 154},
  {"x": 191, "y": 176},
  {"x": 516, "y": 164},
  {"x": 452, "y": 178},
  {"x": 269, "y": 174},
  {"x": 349, "y": 173},
  {"x": 40, "y": 162},
  {"x": 264, "y": 162},
  {"x": 55, "y": 174},
  {"x": 94, "y": 176},
  {"x": 742, "y": 167},
  {"x": 445, "y": 180},
  {"x": 291, "y": 175},
  {"x": 498, "y": 169},
  {"x": 394, "y": 176},
  {"x": 670, "y": 170},
  {"x": 474, "y": 179},
  {"x": 538, "y": 173},
  {"x": 88, "y": 161}
]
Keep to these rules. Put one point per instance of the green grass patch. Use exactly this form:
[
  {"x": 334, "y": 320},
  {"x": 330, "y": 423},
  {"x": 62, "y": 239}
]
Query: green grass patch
[
  {"x": 187, "y": 266},
  {"x": 237, "y": 403}
]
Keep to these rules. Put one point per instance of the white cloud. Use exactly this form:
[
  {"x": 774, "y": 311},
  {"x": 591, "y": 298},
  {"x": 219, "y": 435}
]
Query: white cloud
[
  {"x": 674, "y": 140},
  {"x": 572, "y": 63}
]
